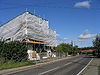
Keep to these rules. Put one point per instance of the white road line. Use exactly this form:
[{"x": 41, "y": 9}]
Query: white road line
[
  {"x": 54, "y": 69},
  {"x": 85, "y": 67},
  {"x": 37, "y": 66},
  {"x": 32, "y": 67},
  {"x": 49, "y": 71},
  {"x": 57, "y": 67}
]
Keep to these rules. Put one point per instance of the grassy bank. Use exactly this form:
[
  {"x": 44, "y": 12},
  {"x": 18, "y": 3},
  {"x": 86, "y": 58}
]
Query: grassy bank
[{"x": 10, "y": 64}]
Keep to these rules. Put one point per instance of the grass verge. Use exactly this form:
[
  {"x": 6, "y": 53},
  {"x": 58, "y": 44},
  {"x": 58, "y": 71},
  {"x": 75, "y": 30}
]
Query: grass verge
[
  {"x": 10, "y": 64},
  {"x": 98, "y": 67},
  {"x": 98, "y": 70}
]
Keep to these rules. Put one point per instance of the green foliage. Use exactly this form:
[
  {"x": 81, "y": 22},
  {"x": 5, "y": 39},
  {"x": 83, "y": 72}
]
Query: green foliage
[
  {"x": 87, "y": 48},
  {"x": 62, "y": 47},
  {"x": 15, "y": 51},
  {"x": 96, "y": 44},
  {"x": 12, "y": 64},
  {"x": 38, "y": 50},
  {"x": 67, "y": 48}
]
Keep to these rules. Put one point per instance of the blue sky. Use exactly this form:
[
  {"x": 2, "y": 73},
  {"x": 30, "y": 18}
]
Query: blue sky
[{"x": 70, "y": 18}]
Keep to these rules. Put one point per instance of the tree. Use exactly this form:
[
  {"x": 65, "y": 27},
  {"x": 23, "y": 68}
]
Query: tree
[
  {"x": 67, "y": 49},
  {"x": 96, "y": 44},
  {"x": 87, "y": 48}
]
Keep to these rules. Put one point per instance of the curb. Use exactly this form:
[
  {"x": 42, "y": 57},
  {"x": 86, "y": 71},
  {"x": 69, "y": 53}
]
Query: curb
[{"x": 19, "y": 69}]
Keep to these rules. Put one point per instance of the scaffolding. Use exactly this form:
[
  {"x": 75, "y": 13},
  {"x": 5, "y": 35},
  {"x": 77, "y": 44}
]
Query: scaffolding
[{"x": 28, "y": 26}]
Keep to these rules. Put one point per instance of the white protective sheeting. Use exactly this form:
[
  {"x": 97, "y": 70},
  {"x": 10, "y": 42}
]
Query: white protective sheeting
[{"x": 28, "y": 26}]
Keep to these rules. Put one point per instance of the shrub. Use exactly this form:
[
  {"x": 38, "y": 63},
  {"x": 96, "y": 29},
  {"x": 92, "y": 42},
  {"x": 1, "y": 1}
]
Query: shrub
[{"x": 13, "y": 50}]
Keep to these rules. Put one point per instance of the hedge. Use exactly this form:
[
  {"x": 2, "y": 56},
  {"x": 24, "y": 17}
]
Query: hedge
[{"x": 14, "y": 50}]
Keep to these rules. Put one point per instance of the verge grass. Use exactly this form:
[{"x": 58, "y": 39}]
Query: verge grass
[{"x": 11, "y": 64}]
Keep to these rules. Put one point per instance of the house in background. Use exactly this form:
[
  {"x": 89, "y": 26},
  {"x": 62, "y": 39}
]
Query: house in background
[{"x": 33, "y": 30}]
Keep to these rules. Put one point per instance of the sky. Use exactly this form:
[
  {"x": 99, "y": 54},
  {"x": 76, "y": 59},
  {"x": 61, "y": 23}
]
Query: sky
[{"x": 74, "y": 20}]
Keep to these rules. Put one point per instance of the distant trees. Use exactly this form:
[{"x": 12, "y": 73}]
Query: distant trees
[
  {"x": 67, "y": 49},
  {"x": 87, "y": 48},
  {"x": 96, "y": 44}
]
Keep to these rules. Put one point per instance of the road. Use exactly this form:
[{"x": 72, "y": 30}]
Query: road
[{"x": 71, "y": 66}]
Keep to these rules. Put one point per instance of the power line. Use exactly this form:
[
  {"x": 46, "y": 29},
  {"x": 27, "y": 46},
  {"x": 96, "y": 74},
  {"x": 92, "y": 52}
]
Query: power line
[
  {"x": 56, "y": 2},
  {"x": 20, "y": 5},
  {"x": 51, "y": 7},
  {"x": 42, "y": 6}
]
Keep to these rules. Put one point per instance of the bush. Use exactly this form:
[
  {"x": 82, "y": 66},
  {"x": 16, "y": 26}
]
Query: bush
[{"x": 14, "y": 50}]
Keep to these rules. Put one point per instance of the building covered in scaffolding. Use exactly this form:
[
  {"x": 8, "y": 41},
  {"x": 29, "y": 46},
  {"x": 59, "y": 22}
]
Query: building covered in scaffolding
[{"x": 31, "y": 29}]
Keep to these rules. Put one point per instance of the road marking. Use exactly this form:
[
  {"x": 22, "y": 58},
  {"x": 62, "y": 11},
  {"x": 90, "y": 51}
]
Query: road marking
[
  {"x": 21, "y": 70},
  {"x": 49, "y": 71},
  {"x": 85, "y": 67},
  {"x": 54, "y": 69},
  {"x": 58, "y": 67}
]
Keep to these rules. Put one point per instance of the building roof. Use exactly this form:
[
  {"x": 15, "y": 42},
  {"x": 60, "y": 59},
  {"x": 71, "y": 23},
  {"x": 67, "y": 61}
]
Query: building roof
[{"x": 87, "y": 50}]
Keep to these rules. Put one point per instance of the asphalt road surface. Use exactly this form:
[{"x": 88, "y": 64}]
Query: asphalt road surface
[{"x": 71, "y": 66}]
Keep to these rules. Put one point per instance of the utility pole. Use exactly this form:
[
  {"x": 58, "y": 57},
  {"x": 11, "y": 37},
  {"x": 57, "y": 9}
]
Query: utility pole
[{"x": 72, "y": 43}]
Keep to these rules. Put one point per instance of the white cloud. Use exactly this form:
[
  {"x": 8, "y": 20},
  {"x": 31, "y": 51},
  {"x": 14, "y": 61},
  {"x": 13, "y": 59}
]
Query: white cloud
[
  {"x": 81, "y": 40},
  {"x": 85, "y": 4},
  {"x": 87, "y": 35},
  {"x": 82, "y": 36},
  {"x": 66, "y": 38}
]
